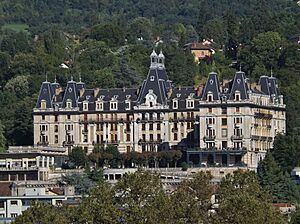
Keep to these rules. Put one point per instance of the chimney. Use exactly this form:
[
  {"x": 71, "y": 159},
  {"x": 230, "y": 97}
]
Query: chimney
[
  {"x": 96, "y": 91},
  {"x": 58, "y": 91},
  {"x": 81, "y": 92}
]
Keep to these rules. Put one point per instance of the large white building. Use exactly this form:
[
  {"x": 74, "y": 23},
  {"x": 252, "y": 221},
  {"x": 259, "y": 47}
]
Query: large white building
[{"x": 229, "y": 123}]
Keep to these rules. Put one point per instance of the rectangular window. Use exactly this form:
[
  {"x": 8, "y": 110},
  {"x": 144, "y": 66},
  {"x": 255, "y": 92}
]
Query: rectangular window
[
  {"x": 128, "y": 138},
  {"x": 158, "y": 127},
  {"x": 143, "y": 127},
  {"x": 175, "y": 115},
  {"x": 14, "y": 202},
  {"x": 56, "y": 139},
  {"x": 224, "y": 121},
  {"x": 113, "y": 105},
  {"x": 237, "y": 110},
  {"x": 55, "y": 128},
  {"x": 175, "y": 104},
  {"x": 210, "y": 110},
  {"x": 1, "y": 204},
  {"x": 224, "y": 110},
  {"x": 55, "y": 118},
  {"x": 127, "y": 105},
  {"x": 69, "y": 117},
  {"x": 224, "y": 132},
  {"x": 151, "y": 127}
]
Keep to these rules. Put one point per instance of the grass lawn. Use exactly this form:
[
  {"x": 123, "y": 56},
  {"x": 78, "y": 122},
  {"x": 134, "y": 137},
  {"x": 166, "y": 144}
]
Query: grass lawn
[{"x": 16, "y": 27}]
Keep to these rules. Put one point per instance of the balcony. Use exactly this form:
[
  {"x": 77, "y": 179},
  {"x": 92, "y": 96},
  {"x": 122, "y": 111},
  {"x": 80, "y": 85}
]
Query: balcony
[
  {"x": 68, "y": 143},
  {"x": 149, "y": 142},
  {"x": 209, "y": 126},
  {"x": 44, "y": 143},
  {"x": 209, "y": 138},
  {"x": 112, "y": 142},
  {"x": 263, "y": 116},
  {"x": 237, "y": 137}
]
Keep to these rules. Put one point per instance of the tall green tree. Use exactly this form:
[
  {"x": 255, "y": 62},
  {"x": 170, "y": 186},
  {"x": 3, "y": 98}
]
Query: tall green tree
[
  {"x": 277, "y": 182},
  {"x": 242, "y": 200},
  {"x": 78, "y": 157}
]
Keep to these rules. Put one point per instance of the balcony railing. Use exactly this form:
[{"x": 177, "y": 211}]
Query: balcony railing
[
  {"x": 237, "y": 137},
  {"x": 155, "y": 142},
  {"x": 43, "y": 143},
  {"x": 209, "y": 138},
  {"x": 68, "y": 143}
]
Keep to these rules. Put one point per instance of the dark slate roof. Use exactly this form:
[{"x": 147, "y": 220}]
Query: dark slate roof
[
  {"x": 273, "y": 86},
  {"x": 46, "y": 93},
  {"x": 264, "y": 84},
  {"x": 239, "y": 84},
  {"x": 155, "y": 81},
  {"x": 213, "y": 86},
  {"x": 71, "y": 93}
]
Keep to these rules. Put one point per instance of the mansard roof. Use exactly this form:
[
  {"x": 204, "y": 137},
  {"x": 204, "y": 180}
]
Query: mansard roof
[
  {"x": 156, "y": 83},
  {"x": 212, "y": 86},
  {"x": 239, "y": 84},
  {"x": 46, "y": 94}
]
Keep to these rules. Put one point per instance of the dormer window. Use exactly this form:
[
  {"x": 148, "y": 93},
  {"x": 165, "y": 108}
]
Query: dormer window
[
  {"x": 175, "y": 104},
  {"x": 210, "y": 97},
  {"x": 99, "y": 106},
  {"x": 127, "y": 105},
  {"x": 43, "y": 104},
  {"x": 85, "y": 106},
  {"x": 114, "y": 105},
  {"x": 237, "y": 96},
  {"x": 152, "y": 78},
  {"x": 69, "y": 104},
  {"x": 190, "y": 104}
]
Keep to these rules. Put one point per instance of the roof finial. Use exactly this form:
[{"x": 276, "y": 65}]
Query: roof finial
[
  {"x": 46, "y": 77},
  {"x": 55, "y": 81},
  {"x": 79, "y": 77},
  {"x": 240, "y": 67},
  {"x": 271, "y": 72},
  {"x": 72, "y": 78}
]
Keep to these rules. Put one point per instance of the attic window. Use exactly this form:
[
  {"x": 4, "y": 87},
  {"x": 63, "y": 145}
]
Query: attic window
[
  {"x": 175, "y": 104},
  {"x": 210, "y": 97},
  {"x": 151, "y": 78},
  {"x": 178, "y": 95},
  {"x": 190, "y": 104},
  {"x": 69, "y": 104},
  {"x": 128, "y": 96},
  {"x": 43, "y": 104},
  {"x": 113, "y": 105},
  {"x": 85, "y": 106},
  {"x": 211, "y": 81},
  {"x": 99, "y": 106},
  {"x": 127, "y": 105},
  {"x": 237, "y": 96},
  {"x": 115, "y": 96},
  {"x": 101, "y": 97}
]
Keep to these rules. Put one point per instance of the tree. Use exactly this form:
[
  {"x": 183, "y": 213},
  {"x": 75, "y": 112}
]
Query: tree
[
  {"x": 2, "y": 138},
  {"x": 111, "y": 34},
  {"x": 286, "y": 151},
  {"x": 192, "y": 199},
  {"x": 142, "y": 197},
  {"x": 267, "y": 47},
  {"x": 104, "y": 78},
  {"x": 99, "y": 207},
  {"x": 242, "y": 200},
  {"x": 40, "y": 212},
  {"x": 275, "y": 181},
  {"x": 78, "y": 157}
]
